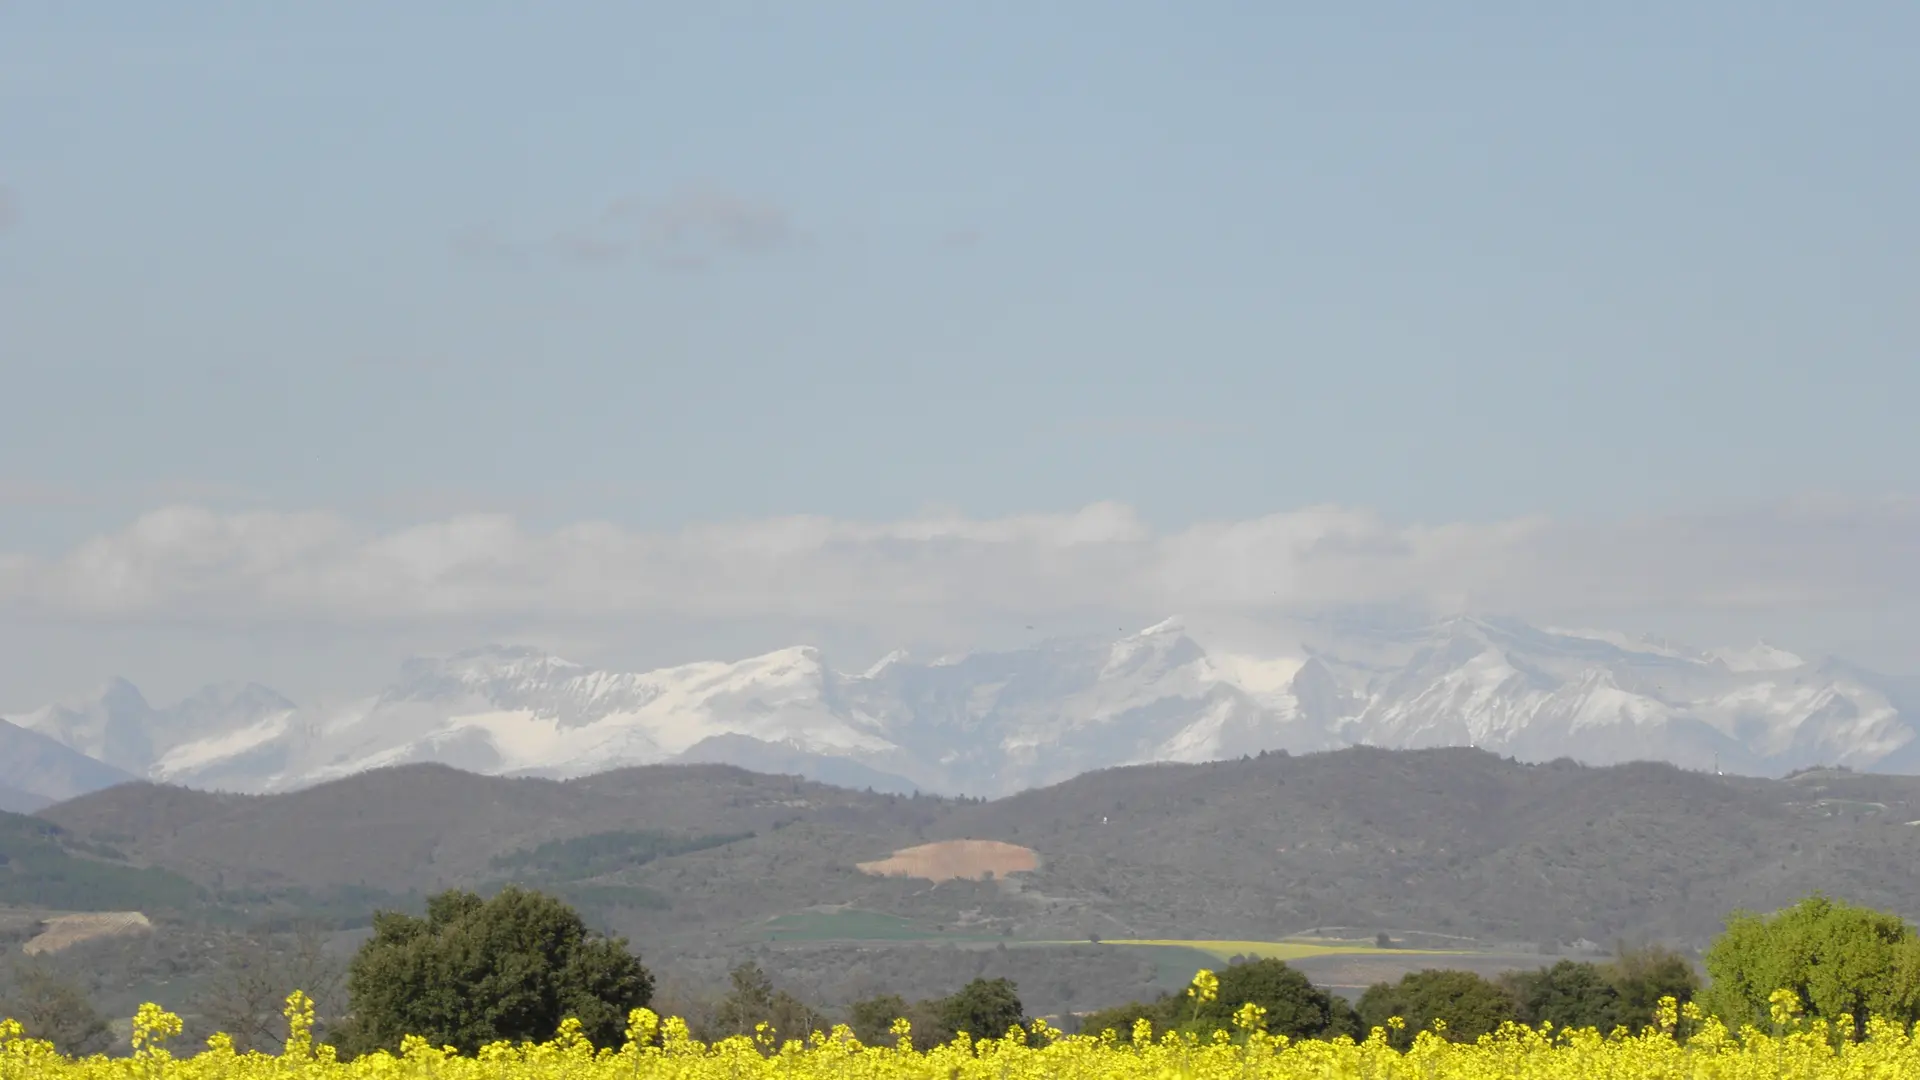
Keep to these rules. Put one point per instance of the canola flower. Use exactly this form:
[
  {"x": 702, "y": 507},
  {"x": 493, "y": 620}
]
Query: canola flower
[{"x": 657, "y": 1049}]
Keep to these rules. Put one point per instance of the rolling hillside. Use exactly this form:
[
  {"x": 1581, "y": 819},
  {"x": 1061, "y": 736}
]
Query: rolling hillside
[{"x": 1453, "y": 841}]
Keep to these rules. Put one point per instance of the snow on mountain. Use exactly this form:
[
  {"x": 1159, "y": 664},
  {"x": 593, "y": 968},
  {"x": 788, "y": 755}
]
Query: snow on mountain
[
  {"x": 117, "y": 726},
  {"x": 997, "y": 722},
  {"x": 1759, "y": 656},
  {"x": 114, "y": 725},
  {"x": 509, "y": 710}
]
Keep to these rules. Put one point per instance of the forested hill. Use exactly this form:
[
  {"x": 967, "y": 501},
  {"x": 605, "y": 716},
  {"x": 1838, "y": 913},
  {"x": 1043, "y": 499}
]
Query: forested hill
[{"x": 1447, "y": 841}]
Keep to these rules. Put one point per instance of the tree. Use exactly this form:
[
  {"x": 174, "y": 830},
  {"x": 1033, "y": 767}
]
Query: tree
[
  {"x": 1295, "y": 1007},
  {"x": 984, "y": 1009},
  {"x": 476, "y": 971},
  {"x": 1570, "y": 994},
  {"x": 1644, "y": 975},
  {"x": 872, "y": 1018},
  {"x": 1470, "y": 1005},
  {"x": 247, "y": 997},
  {"x": 58, "y": 1010},
  {"x": 1839, "y": 959},
  {"x": 748, "y": 1002},
  {"x": 753, "y": 1000}
]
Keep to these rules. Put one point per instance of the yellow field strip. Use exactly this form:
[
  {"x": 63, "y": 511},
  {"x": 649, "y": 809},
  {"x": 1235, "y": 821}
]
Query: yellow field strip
[{"x": 1281, "y": 950}]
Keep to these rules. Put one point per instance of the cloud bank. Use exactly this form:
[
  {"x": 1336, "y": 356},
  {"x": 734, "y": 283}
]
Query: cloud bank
[{"x": 190, "y": 563}]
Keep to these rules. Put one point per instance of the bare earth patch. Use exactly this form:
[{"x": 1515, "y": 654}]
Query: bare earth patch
[
  {"x": 64, "y": 931},
  {"x": 949, "y": 859}
]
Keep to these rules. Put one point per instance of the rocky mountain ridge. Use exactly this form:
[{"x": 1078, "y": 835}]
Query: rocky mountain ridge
[{"x": 994, "y": 723}]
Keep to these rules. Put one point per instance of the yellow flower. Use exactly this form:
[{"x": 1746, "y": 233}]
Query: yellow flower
[
  {"x": 153, "y": 1025},
  {"x": 299, "y": 1013},
  {"x": 1206, "y": 986},
  {"x": 1702, "y": 1049},
  {"x": 642, "y": 1025},
  {"x": 1667, "y": 1015},
  {"x": 1784, "y": 1007}
]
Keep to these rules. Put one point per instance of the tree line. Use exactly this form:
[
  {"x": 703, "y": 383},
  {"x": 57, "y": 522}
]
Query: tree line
[
  {"x": 474, "y": 970},
  {"x": 1623, "y": 992}
]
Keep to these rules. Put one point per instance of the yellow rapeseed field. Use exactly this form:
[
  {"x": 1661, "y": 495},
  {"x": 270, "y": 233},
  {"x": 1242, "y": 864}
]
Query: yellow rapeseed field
[
  {"x": 657, "y": 1050},
  {"x": 1279, "y": 950}
]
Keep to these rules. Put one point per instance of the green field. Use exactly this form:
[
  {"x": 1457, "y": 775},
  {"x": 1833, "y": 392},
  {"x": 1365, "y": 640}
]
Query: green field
[{"x": 848, "y": 924}]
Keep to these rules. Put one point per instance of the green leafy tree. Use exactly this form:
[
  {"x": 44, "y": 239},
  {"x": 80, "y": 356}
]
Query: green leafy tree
[
  {"x": 872, "y": 1018},
  {"x": 1470, "y": 1005},
  {"x": 1643, "y": 976},
  {"x": 984, "y": 1009},
  {"x": 749, "y": 1001},
  {"x": 57, "y": 1009},
  {"x": 1570, "y": 994},
  {"x": 752, "y": 1000},
  {"x": 1295, "y": 1007},
  {"x": 1839, "y": 959},
  {"x": 476, "y": 971}
]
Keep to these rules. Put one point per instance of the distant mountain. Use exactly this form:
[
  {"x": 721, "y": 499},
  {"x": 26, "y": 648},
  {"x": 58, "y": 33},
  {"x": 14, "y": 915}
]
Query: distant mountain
[
  {"x": 36, "y": 770},
  {"x": 15, "y": 801},
  {"x": 119, "y": 730},
  {"x": 1000, "y": 722}
]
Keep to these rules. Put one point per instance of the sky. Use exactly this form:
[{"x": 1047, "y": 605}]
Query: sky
[{"x": 332, "y": 332}]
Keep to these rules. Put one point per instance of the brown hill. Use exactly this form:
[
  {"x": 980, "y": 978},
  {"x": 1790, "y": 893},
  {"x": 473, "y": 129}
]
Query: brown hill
[
  {"x": 1449, "y": 841},
  {"x": 424, "y": 827}
]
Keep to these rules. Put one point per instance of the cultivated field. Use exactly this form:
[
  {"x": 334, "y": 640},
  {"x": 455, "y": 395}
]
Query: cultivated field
[{"x": 657, "y": 1051}]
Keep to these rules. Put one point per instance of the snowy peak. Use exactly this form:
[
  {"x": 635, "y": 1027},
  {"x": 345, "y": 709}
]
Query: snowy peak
[
  {"x": 1156, "y": 650},
  {"x": 1759, "y": 656},
  {"x": 223, "y": 705},
  {"x": 490, "y": 671},
  {"x": 998, "y": 722},
  {"x": 897, "y": 656},
  {"x": 111, "y": 725}
]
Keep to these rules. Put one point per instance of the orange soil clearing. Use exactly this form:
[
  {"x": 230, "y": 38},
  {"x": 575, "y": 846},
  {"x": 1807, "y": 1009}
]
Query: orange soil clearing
[{"x": 949, "y": 859}]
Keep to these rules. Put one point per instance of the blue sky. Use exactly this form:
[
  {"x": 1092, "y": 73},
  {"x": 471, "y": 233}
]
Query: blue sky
[{"x": 664, "y": 266}]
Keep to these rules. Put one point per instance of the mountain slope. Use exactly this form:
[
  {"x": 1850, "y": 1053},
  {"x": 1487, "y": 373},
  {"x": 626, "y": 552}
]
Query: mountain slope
[
  {"x": 15, "y": 801},
  {"x": 116, "y": 726},
  {"x": 38, "y": 767},
  {"x": 1001, "y": 722},
  {"x": 1449, "y": 841},
  {"x": 425, "y": 826},
  {"x": 43, "y": 866}
]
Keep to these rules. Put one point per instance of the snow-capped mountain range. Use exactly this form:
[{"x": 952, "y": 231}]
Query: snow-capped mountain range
[{"x": 997, "y": 722}]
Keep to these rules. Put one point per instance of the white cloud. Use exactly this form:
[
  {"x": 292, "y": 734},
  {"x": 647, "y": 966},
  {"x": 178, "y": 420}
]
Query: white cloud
[{"x": 191, "y": 563}]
